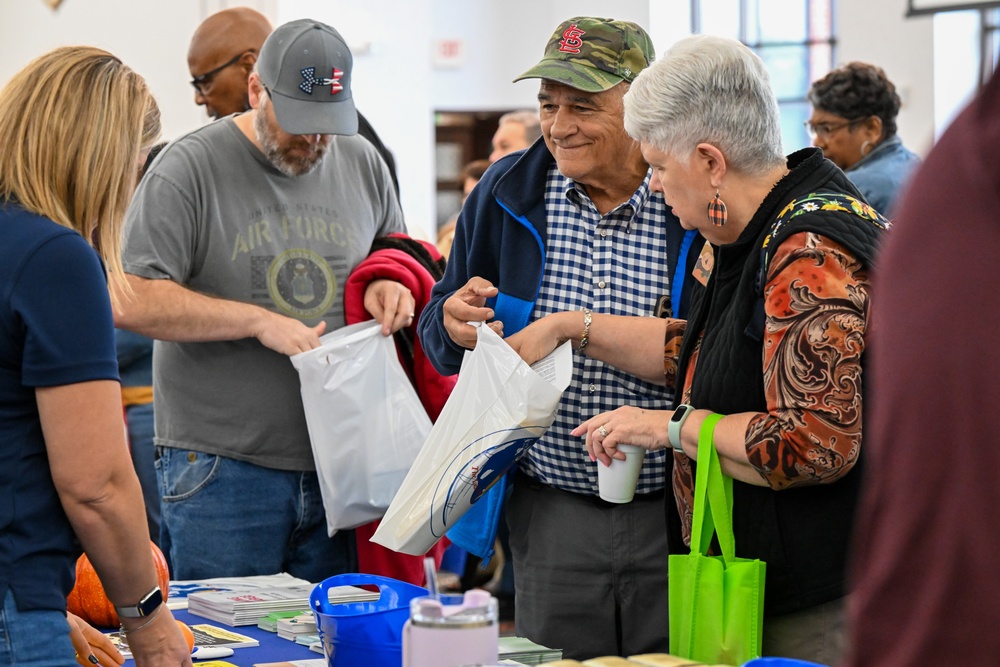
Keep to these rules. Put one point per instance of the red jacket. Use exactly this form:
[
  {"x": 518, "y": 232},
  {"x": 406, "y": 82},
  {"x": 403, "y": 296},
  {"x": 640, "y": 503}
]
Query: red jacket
[
  {"x": 417, "y": 265},
  {"x": 414, "y": 264}
]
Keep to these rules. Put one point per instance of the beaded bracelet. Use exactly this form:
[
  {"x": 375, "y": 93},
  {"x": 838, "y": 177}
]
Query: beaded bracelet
[{"x": 588, "y": 317}]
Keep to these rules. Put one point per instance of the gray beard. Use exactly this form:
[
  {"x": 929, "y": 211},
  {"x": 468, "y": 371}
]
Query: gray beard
[{"x": 273, "y": 152}]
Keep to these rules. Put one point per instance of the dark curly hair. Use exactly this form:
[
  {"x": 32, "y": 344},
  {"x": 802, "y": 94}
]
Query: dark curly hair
[{"x": 858, "y": 90}]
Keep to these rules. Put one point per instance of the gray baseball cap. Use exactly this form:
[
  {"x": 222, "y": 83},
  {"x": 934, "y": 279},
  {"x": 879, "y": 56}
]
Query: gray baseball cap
[{"x": 305, "y": 67}]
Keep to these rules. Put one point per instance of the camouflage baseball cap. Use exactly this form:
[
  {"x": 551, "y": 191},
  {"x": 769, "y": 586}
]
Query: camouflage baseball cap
[{"x": 593, "y": 54}]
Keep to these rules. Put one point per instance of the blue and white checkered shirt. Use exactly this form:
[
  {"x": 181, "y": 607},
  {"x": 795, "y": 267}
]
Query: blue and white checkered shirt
[{"x": 614, "y": 264}]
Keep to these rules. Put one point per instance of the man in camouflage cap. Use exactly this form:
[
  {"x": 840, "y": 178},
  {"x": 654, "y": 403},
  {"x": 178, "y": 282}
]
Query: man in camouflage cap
[{"x": 564, "y": 240}]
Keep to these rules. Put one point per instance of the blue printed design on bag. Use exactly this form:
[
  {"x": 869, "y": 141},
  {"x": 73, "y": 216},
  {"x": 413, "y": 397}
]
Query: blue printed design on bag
[{"x": 461, "y": 485}]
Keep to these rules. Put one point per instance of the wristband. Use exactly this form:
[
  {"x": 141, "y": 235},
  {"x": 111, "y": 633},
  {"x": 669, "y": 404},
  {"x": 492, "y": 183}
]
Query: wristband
[
  {"x": 676, "y": 423},
  {"x": 149, "y": 603},
  {"x": 588, "y": 317}
]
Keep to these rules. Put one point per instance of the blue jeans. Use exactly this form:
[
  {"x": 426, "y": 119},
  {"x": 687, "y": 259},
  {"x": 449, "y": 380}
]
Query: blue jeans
[
  {"x": 228, "y": 518},
  {"x": 140, "y": 441},
  {"x": 36, "y": 638}
]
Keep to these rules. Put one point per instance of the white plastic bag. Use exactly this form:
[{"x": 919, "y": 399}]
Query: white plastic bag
[
  {"x": 365, "y": 422},
  {"x": 498, "y": 409}
]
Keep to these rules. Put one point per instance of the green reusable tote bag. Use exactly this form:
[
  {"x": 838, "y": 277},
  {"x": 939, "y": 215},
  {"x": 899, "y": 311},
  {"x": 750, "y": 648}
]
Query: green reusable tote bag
[{"x": 716, "y": 602}]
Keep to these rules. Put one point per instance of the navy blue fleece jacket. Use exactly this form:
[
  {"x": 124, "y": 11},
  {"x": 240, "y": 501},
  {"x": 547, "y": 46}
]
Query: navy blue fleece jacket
[{"x": 501, "y": 236}]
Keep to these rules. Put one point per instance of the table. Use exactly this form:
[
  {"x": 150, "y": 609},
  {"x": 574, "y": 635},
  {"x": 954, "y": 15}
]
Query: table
[{"x": 272, "y": 647}]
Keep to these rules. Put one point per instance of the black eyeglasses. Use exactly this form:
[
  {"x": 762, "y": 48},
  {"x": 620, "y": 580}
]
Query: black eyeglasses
[
  {"x": 201, "y": 83},
  {"x": 824, "y": 130}
]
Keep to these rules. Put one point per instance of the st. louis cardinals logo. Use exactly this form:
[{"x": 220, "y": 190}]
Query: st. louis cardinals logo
[
  {"x": 309, "y": 80},
  {"x": 571, "y": 42}
]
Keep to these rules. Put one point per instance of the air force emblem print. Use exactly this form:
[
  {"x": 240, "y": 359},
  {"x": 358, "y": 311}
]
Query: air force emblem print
[{"x": 309, "y": 80}]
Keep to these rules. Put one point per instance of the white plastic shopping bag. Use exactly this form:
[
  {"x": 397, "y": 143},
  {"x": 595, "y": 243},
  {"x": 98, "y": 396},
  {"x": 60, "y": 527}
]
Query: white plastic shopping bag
[
  {"x": 498, "y": 409},
  {"x": 365, "y": 422}
]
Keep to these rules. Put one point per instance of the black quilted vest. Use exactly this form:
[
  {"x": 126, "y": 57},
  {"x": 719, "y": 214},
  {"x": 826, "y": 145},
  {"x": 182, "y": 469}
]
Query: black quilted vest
[{"x": 801, "y": 533}]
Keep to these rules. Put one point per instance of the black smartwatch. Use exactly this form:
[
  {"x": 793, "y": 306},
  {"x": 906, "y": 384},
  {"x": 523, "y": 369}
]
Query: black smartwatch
[
  {"x": 676, "y": 422},
  {"x": 147, "y": 605}
]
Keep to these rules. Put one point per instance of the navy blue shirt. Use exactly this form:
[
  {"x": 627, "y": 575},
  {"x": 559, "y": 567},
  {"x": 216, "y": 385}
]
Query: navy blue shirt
[
  {"x": 56, "y": 328},
  {"x": 135, "y": 358}
]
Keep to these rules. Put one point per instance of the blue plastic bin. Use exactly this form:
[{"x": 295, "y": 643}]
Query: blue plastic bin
[
  {"x": 780, "y": 662},
  {"x": 364, "y": 634}
]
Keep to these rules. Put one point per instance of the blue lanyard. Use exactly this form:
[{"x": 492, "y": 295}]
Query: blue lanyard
[{"x": 680, "y": 273}]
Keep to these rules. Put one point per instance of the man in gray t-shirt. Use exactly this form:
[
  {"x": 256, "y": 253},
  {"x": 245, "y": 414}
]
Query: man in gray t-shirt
[{"x": 238, "y": 244}]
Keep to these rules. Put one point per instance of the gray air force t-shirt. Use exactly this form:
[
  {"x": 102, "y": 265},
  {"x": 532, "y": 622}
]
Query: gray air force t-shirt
[{"x": 213, "y": 214}]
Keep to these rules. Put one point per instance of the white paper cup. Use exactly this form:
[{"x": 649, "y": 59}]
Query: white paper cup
[{"x": 616, "y": 483}]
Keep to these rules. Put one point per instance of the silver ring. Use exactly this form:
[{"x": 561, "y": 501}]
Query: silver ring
[{"x": 603, "y": 431}]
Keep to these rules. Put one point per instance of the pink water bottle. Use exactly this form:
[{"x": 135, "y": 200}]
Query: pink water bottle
[{"x": 451, "y": 631}]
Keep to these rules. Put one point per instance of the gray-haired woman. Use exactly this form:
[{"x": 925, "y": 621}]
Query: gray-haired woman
[{"x": 775, "y": 339}]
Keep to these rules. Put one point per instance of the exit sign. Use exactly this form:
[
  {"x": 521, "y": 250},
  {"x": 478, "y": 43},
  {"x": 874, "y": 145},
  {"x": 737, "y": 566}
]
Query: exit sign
[{"x": 449, "y": 53}]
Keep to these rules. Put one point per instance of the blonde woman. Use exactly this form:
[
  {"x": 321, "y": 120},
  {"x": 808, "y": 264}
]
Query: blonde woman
[{"x": 74, "y": 127}]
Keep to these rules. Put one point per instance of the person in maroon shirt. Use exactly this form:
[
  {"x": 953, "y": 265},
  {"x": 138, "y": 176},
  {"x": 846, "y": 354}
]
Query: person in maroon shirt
[{"x": 925, "y": 585}]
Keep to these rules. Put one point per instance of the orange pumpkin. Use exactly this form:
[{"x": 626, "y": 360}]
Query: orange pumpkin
[
  {"x": 188, "y": 635},
  {"x": 88, "y": 599}
]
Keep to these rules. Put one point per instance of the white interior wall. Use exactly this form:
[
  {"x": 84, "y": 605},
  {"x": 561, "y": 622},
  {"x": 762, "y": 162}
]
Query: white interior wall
[
  {"x": 152, "y": 37},
  {"x": 396, "y": 85},
  {"x": 956, "y": 65},
  {"x": 877, "y": 32},
  {"x": 503, "y": 39},
  {"x": 391, "y": 85}
]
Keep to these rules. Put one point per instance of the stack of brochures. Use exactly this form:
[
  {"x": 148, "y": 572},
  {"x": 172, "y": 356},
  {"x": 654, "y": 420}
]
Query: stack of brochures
[
  {"x": 527, "y": 652},
  {"x": 205, "y": 635},
  {"x": 210, "y": 635},
  {"x": 248, "y": 607},
  {"x": 303, "y": 624},
  {"x": 308, "y": 640},
  {"x": 270, "y": 622},
  {"x": 179, "y": 590}
]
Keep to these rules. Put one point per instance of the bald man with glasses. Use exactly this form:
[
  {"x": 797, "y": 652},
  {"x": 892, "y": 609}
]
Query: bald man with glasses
[{"x": 221, "y": 57}]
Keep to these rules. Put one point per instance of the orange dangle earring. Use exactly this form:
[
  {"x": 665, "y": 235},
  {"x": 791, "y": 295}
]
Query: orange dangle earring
[{"x": 717, "y": 212}]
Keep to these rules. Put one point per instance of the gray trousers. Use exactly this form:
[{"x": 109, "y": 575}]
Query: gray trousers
[
  {"x": 590, "y": 577},
  {"x": 818, "y": 634}
]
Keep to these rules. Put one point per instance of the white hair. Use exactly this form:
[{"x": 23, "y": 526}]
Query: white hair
[
  {"x": 711, "y": 90},
  {"x": 528, "y": 119}
]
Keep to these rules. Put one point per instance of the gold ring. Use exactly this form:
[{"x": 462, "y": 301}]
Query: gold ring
[{"x": 603, "y": 431}]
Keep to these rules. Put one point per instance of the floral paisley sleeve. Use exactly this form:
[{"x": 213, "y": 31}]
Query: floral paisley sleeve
[
  {"x": 816, "y": 302},
  {"x": 672, "y": 350}
]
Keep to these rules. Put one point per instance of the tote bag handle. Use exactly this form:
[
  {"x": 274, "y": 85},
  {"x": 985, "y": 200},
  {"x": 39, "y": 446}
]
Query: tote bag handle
[{"x": 713, "y": 497}]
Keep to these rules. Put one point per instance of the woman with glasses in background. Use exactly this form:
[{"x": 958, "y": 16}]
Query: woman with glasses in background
[{"x": 854, "y": 122}]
